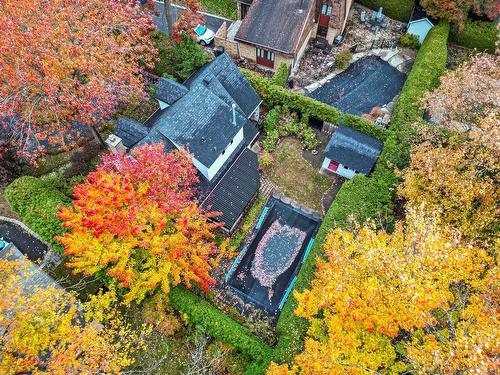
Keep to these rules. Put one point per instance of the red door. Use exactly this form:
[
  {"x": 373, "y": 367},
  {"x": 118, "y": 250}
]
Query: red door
[
  {"x": 326, "y": 12},
  {"x": 265, "y": 57},
  {"x": 332, "y": 166}
]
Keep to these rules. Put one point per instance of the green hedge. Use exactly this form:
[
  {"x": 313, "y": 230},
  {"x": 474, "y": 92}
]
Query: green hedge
[
  {"x": 37, "y": 205},
  {"x": 369, "y": 196},
  {"x": 280, "y": 77},
  {"x": 276, "y": 96},
  {"x": 476, "y": 34},
  {"x": 396, "y": 9},
  {"x": 219, "y": 325}
]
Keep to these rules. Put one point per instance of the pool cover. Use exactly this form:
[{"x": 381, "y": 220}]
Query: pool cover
[
  {"x": 366, "y": 83},
  {"x": 265, "y": 271}
]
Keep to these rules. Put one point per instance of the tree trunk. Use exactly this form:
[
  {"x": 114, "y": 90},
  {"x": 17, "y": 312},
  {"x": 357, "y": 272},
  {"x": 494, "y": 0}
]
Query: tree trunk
[
  {"x": 168, "y": 15},
  {"x": 97, "y": 136}
]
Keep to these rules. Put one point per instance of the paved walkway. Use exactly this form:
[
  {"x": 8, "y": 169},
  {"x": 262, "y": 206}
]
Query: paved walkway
[
  {"x": 30, "y": 246},
  {"x": 212, "y": 21}
]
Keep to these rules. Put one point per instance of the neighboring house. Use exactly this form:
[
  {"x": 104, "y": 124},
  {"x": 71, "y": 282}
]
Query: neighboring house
[
  {"x": 419, "y": 23},
  {"x": 349, "y": 152},
  {"x": 213, "y": 116},
  {"x": 276, "y": 31}
]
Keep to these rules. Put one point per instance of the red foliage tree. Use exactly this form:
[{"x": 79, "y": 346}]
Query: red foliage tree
[
  {"x": 136, "y": 220},
  {"x": 68, "y": 60},
  {"x": 188, "y": 20}
]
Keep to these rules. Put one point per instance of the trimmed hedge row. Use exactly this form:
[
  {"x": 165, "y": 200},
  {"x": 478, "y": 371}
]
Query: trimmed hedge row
[
  {"x": 397, "y": 9},
  {"x": 276, "y": 96},
  {"x": 273, "y": 96},
  {"x": 37, "y": 203},
  {"x": 280, "y": 77},
  {"x": 369, "y": 196},
  {"x": 219, "y": 325},
  {"x": 476, "y": 34}
]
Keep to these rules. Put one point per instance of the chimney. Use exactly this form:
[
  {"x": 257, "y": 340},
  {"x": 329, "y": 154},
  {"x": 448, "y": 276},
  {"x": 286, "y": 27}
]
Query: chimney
[
  {"x": 234, "y": 114},
  {"x": 115, "y": 144}
]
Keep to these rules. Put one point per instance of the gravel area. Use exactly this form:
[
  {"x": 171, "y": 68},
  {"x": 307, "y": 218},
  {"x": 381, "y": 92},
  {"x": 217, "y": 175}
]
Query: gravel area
[{"x": 369, "y": 82}]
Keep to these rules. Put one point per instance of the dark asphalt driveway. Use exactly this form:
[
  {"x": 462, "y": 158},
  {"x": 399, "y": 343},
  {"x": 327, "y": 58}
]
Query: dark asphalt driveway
[
  {"x": 211, "y": 21},
  {"x": 366, "y": 83},
  {"x": 30, "y": 246}
]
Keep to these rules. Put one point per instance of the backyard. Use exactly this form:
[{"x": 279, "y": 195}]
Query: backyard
[{"x": 295, "y": 177}]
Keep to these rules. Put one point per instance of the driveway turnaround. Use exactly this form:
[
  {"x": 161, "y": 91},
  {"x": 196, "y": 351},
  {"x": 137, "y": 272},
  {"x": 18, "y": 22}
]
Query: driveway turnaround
[
  {"x": 30, "y": 246},
  {"x": 212, "y": 21},
  {"x": 367, "y": 83}
]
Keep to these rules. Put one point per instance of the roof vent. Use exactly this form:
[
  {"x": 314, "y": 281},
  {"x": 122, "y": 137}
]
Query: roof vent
[
  {"x": 202, "y": 140},
  {"x": 234, "y": 114}
]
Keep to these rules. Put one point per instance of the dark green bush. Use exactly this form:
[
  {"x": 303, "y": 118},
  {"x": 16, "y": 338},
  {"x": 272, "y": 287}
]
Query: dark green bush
[
  {"x": 409, "y": 40},
  {"x": 37, "y": 205},
  {"x": 343, "y": 58},
  {"x": 476, "y": 34},
  {"x": 220, "y": 326},
  {"x": 280, "y": 77},
  {"x": 396, "y": 9},
  {"x": 178, "y": 60}
]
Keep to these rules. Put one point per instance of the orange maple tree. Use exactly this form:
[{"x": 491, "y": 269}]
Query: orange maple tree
[
  {"x": 66, "y": 62},
  {"x": 135, "y": 219}
]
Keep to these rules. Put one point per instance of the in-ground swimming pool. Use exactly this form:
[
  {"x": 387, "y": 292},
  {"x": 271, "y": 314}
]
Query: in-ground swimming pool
[{"x": 265, "y": 270}]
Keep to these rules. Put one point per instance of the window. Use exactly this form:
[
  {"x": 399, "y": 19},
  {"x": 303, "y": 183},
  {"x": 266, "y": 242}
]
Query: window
[
  {"x": 326, "y": 10},
  {"x": 265, "y": 57}
]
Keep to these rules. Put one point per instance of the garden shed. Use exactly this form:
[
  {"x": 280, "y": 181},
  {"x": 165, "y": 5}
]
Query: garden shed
[
  {"x": 419, "y": 24},
  {"x": 349, "y": 152}
]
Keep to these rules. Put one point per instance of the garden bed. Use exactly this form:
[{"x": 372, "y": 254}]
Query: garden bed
[{"x": 264, "y": 272}]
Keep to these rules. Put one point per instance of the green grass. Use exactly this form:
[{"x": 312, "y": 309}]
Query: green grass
[
  {"x": 476, "y": 34},
  {"x": 296, "y": 177},
  {"x": 397, "y": 9},
  {"x": 224, "y": 8}
]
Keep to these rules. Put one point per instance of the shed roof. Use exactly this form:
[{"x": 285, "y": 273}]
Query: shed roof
[
  {"x": 354, "y": 149},
  {"x": 235, "y": 189},
  {"x": 277, "y": 25}
]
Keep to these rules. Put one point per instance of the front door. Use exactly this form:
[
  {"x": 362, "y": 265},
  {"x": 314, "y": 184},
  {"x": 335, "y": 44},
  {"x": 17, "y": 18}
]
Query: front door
[
  {"x": 265, "y": 57},
  {"x": 326, "y": 12},
  {"x": 332, "y": 166}
]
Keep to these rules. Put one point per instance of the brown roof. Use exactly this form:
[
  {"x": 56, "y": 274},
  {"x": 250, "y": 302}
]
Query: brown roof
[{"x": 277, "y": 25}]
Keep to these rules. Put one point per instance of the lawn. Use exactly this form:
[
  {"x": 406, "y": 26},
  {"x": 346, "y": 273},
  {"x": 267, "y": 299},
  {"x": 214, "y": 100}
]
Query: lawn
[
  {"x": 224, "y": 8},
  {"x": 296, "y": 177}
]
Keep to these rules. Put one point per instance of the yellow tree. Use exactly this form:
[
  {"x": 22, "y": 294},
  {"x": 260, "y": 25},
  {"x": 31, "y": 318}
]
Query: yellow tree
[
  {"x": 457, "y": 177},
  {"x": 45, "y": 330},
  {"x": 375, "y": 294}
]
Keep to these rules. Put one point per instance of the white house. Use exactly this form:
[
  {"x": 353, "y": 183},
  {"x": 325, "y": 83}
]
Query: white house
[{"x": 350, "y": 152}]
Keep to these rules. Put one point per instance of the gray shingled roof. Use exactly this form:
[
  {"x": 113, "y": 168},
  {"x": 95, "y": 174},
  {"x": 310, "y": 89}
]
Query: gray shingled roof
[
  {"x": 130, "y": 131},
  {"x": 236, "y": 189},
  {"x": 229, "y": 84},
  {"x": 202, "y": 122},
  {"x": 354, "y": 149},
  {"x": 170, "y": 91},
  {"x": 33, "y": 276},
  {"x": 275, "y": 24}
]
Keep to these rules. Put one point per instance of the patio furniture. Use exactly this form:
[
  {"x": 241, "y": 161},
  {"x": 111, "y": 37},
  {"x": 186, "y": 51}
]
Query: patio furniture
[{"x": 362, "y": 16}]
